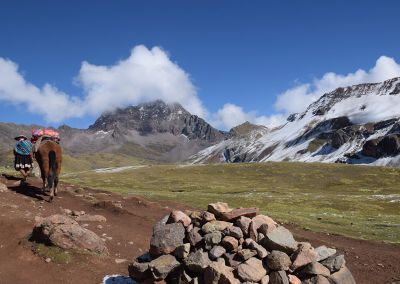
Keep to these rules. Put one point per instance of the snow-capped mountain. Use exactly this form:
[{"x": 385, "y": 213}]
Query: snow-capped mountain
[{"x": 358, "y": 124}]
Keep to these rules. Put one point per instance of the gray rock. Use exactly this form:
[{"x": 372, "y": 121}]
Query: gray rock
[
  {"x": 278, "y": 277},
  {"x": 278, "y": 260},
  {"x": 243, "y": 223},
  {"x": 251, "y": 270},
  {"x": 261, "y": 251},
  {"x": 343, "y": 276},
  {"x": 139, "y": 271},
  {"x": 216, "y": 252},
  {"x": 280, "y": 239},
  {"x": 167, "y": 238},
  {"x": 215, "y": 226},
  {"x": 160, "y": 224},
  {"x": 162, "y": 266},
  {"x": 197, "y": 261},
  {"x": 334, "y": 263},
  {"x": 324, "y": 252},
  {"x": 182, "y": 251},
  {"x": 233, "y": 231},
  {"x": 245, "y": 254},
  {"x": 212, "y": 239}
]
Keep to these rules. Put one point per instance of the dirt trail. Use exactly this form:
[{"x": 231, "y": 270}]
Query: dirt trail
[{"x": 128, "y": 231}]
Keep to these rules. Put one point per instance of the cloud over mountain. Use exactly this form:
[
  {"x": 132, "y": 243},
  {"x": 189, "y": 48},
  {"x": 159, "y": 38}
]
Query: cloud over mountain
[
  {"x": 146, "y": 75},
  {"x": 149, "y": 74}
]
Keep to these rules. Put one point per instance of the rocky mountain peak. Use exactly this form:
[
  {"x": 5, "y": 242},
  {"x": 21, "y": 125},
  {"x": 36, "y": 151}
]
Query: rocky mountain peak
[{"x": 157, "y": 117}]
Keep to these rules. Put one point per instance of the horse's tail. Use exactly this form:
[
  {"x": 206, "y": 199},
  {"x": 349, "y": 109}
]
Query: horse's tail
[{"x": 53, "y": 169}]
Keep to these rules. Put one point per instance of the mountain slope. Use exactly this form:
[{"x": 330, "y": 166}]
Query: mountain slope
[
  {"x": 357, "y": 124},
  {"x": 154, "y": 131}
]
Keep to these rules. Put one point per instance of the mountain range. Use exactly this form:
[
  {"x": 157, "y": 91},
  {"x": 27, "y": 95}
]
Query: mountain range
[{"x": 347, "y": 125}]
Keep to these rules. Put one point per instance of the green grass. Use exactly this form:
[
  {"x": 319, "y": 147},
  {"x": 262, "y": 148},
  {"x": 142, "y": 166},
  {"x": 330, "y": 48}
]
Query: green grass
[
  {"x": 56, "y": 254},
  {"x": 357, "y": 201}
]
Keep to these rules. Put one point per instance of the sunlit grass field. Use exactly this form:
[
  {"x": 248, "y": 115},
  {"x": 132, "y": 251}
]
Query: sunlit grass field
[{"x": 358, "y": 201}]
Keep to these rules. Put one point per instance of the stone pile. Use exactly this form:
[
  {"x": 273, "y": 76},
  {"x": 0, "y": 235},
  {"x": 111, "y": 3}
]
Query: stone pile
[{"x": 224, "y": 245}]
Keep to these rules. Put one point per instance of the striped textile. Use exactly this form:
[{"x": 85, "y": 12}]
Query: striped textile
[{"x": 23, "y": 147}]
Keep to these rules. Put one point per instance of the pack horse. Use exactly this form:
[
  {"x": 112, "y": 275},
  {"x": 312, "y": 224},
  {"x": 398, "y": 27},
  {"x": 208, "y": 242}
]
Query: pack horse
[{"x": 48, "y": 154}]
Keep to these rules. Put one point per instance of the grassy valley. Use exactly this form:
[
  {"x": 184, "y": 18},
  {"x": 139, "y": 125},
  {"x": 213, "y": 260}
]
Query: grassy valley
[{"x": 357, "y": 201}]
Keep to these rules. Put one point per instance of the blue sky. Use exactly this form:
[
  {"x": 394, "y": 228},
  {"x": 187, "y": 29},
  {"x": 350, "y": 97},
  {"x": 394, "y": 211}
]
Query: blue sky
[{"x": 243, "y": 53}]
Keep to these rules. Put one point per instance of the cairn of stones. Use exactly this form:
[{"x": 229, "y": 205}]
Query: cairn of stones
[{"x": 224, "y": 245}]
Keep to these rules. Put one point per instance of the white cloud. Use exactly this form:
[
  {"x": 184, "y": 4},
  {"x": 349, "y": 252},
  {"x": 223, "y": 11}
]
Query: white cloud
[
  {"x": 146, "y": 75},
  {"x": 231, "y": 115},
  {"x": 299, "y": 97},
  {"x": 149, "y": 74}
]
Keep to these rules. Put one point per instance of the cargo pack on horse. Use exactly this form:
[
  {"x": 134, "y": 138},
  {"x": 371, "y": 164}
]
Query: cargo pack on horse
[{"x": 48, "y": 154}]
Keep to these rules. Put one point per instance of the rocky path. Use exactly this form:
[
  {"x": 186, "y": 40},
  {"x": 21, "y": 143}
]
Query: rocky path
[{"x": 127, "y": 231}]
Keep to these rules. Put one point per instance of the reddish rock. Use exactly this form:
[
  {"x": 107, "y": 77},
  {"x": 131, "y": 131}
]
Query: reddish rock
[
  {"x": 178, "y": 216},
  {"x": 251, "y": 270},
  {"x": 313, "y": 269},
  {"x": 304, "y": 255},
  {"x": 194, "y": 237},
  {"x": 218, "y": 208},
  {"x": 218, "y": 272},
  {"x": 230, "y": 243},
  {"x": 207, "y": 217},
  {"x": 294, "y": 280},
  {"x": 236, "y": 213},
  {"x": 257, "y": 222},
  {"x": 278, "y": 277}
]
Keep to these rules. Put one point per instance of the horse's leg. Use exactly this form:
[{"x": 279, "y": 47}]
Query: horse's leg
[
  {"x": 44, "y": 185},
  {"x": 56, "y": 186},
  {"x": 51, "y": 193}
]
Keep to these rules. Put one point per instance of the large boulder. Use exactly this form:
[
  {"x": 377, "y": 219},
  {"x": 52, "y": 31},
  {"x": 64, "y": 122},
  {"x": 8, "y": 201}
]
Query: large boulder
[
  {"x": 167, "y": 238},
  {"x": 66, "y": 233}
]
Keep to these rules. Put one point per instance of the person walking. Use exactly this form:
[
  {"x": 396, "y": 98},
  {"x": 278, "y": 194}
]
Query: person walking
[{"x": 23, "y": 156}]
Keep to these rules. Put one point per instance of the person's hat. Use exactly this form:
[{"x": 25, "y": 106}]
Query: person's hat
[{"x": 21, "y": 136}]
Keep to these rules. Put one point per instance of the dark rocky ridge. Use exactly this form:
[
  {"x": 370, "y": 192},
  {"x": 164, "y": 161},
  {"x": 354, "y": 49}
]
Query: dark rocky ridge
[{"x": 158, "y": 117}]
